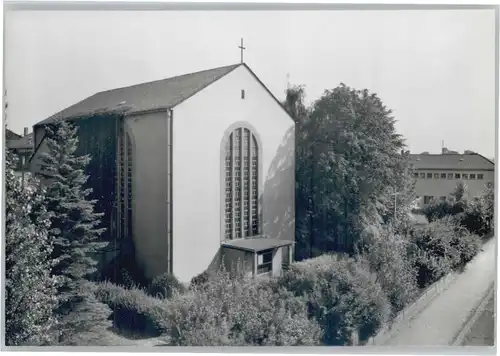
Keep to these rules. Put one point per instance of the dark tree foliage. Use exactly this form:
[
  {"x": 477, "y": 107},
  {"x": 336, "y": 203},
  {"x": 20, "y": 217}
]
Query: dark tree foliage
[
  {"x": 30, "y": 290},
  {"x": 76, "y": 231},
  {"x": 349, "y": 162}
]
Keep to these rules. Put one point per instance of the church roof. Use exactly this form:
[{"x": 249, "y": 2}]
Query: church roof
[
  {"x": 159, "y": 94},
  {"x": 451, "y": 161}
]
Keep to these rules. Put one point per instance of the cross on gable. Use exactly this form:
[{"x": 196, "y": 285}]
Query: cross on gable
[{"x": 241, "y": 49}]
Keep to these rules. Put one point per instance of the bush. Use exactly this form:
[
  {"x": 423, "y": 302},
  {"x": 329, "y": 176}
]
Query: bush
[
  {"x": 200, "y": 279},
  {"x": 165, "y": 285},
  {"x": 441, "y": 247},
  {"x": 133, "y": 309},
  {"x": 239, "y": 312},
  {"x": 389, "y": 257},
  {"x": 341, "y": 294}
]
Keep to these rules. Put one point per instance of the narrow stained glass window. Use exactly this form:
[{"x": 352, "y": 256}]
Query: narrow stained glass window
[{"x": 241, "y": 185}]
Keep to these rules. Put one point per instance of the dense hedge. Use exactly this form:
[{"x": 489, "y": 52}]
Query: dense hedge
[
  {"x": 133, "y": 309},
  {"x": 237, "y": 312},
  {"x": 165, "y": 285},
  {"x": 341, "y": 294},
  {"x": 441, "y": 247}
]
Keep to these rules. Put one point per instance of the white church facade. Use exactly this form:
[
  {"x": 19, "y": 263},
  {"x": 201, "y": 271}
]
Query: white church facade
[{"x": 202, "y": 170}]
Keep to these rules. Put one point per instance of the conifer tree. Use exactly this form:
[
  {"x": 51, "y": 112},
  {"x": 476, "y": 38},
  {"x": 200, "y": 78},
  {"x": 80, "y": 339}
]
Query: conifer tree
[
  {"x": 30, "y": 290},
  {"x": 76, "y": 231}
]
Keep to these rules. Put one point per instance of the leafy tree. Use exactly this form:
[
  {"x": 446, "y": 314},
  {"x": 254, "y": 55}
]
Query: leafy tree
[
  {"x": 487, "y": 198},
  {"x": 75, "y": 226},
  {"x": 30, "y": 290},
  {"x": 355, "y": 161},
  {"x": 390, "y": 257},
  {"x": 304, "y": 171}
]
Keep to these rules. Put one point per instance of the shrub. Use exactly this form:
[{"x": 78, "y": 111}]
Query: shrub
[
  {"x": 441, "y": 247},
  {"x": 200, "y": 279},
  {"x": 239, "y": 312},
  {"x": 165, "y": 285},
  {"x": 341, "y": 294},
  {"x": 389, "y": 257},
  {"x": 133, "y": 309}
]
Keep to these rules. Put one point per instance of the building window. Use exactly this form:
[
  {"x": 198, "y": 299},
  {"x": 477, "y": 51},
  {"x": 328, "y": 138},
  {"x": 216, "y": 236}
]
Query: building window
[
  {"x": 436, "y": 175},
  {"x": 125, "y": 184},
  {"x": 415, "y": 175},
  {"x": 457, "y": 175},
  {"x": 443, "y": 175},
  {"x": 450, "y": 175},
  {"x": 422, "y": 175},
  {"x": 465, "y": 176},
  {"x": 241, "y": 160},
  {"x": 428, "y": 199},
  {"x": 429, "y": 175},
  {"x": 442, "y": 198},
  {"x": 480, "y": 176},
  {"x": 472, "y": 176},
  {"x": 264, "y": 262}
]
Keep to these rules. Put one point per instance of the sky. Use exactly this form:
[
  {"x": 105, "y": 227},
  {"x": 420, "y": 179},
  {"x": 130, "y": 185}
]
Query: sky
[{"x": 434, "y": 68}]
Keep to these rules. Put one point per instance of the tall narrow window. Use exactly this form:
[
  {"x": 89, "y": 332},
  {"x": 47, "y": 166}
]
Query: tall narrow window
[
  {"x": 121, "y": 184},
  {"x": 130, "y": 164},
  {"x": 125, "y": 184},
  {"x": 241, "y": 184}
]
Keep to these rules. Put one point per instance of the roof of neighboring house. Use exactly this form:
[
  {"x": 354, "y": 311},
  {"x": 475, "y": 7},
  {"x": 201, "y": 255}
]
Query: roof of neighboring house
[
  {"x": 25, "y": 142},
  {"x": 451, "y": 161},
  {"x": 256, "y": 244},
  {"x": 159, "y": 94},
  {"x": 11, "y": 135}
]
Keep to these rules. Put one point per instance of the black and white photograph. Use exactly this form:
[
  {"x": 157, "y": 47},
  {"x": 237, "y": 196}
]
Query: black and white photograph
[{"x": 236, "y": 176}]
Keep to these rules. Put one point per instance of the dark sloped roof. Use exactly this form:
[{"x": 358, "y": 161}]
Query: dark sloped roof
[
  {"x": 256, "y": 244},
  {"x": 451, "y": 161},
  {"x": 160, "y": 94},
  {"x": 11, "y": 135},
  {"x": 25, "y": 142}
]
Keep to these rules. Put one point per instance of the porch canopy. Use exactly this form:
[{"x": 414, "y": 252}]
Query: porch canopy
[{"x": 256, "y": 244}]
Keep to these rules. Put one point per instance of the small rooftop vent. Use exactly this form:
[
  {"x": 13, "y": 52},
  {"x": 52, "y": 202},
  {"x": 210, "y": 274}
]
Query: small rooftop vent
[{"x": 461, "y": 158}]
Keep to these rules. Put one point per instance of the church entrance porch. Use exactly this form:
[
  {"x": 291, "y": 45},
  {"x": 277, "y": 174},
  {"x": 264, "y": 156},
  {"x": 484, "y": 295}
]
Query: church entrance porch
[{"x": 257, "y": 256}]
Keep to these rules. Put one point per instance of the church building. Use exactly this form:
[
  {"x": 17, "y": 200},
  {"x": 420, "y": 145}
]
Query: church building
[{"x": 197, "y": 170}]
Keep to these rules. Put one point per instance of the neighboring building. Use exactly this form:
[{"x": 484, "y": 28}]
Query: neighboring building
[
  {"x": 437, "y": 175},
  {"x": 22, "y": 146},
  {"x": 11, "y": 135},
  {"x": 197, "y": 170}
]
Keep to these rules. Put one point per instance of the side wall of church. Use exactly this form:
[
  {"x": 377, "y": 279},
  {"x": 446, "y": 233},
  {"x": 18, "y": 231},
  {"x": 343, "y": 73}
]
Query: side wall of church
[
  {"x": 199, "y": 125},
  {"x": 149, "y": 133}
]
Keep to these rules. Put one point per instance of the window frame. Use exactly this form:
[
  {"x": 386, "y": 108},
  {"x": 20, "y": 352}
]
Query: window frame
[
  {"x": 249, "y": 188},
  {"x": 267, "y": 265}
]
